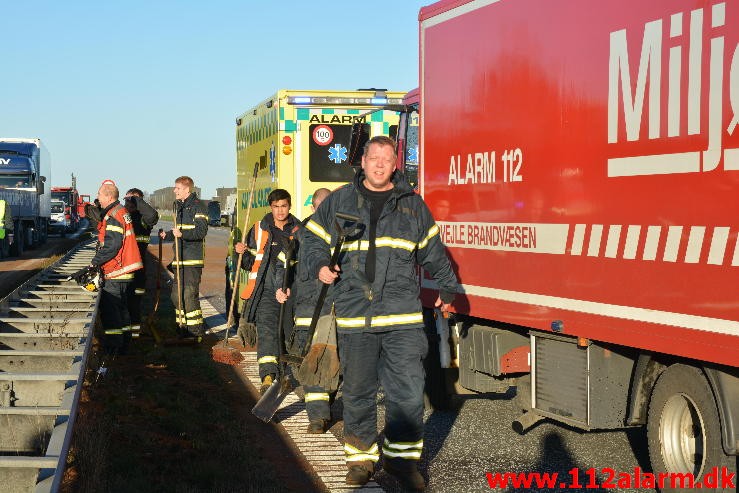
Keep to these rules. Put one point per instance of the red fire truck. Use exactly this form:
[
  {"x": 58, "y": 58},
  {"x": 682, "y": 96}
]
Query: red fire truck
[
  {"x": 70, "y": 197},
  {"x": 582, "y": 161}
]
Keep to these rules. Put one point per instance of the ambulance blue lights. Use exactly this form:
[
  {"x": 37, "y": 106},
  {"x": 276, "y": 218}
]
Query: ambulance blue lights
[{"x": 301, "y": 100}]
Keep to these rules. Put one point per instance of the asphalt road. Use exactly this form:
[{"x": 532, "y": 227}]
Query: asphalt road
[{"x": 461, "y": 447}]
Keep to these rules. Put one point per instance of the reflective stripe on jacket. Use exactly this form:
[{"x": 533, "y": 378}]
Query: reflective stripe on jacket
[
  {"x": 260, "y": 239},
  {"x": 406, "y": 237},
  {"x": 115, "y": 229},
  {"x": 272, "y": 248},
  {"x": 191, "y": 218}
]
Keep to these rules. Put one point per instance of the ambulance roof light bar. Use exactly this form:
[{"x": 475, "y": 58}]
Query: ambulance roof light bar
[{"x": 379, "y": 99}]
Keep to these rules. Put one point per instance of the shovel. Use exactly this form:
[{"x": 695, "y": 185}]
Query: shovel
[{"x": 267, "y": 406}]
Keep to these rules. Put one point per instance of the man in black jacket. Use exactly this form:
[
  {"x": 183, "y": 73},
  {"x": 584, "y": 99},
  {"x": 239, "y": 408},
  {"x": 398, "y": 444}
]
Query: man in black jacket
[
  {"x": 266, "y": 244},
  {"x": 378, "y": 311},
  {"x": 144, "y": 217},
  {"x": 190, "y": 228}
]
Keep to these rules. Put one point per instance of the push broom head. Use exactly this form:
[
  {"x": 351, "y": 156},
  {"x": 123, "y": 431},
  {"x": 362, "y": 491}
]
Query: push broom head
[{"x": 226, "y": 355}]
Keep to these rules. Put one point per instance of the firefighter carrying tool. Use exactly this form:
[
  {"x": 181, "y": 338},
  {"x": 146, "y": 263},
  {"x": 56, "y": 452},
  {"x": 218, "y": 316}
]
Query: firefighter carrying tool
[
  {"x": 378, "y": 311},
  {"x": 189, "y": 231},
  {"x": 266, "y": 242},
  {"x": 281, "y": 385},
  {"x": 118, "y": 258},
  {"x": 143, "y": 217}
]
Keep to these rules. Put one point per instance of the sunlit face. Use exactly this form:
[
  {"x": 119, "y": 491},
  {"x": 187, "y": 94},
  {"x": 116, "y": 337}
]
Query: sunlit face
[
  {"x": 104, "y": 199},
  {"x": 280, "y": 210},
  {"x": 181, "y": 191},
  {"x": 378, "y": 164}
]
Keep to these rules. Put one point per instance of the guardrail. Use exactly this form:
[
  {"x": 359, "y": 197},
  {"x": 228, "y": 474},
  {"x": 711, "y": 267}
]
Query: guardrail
[{"x": 45, "y": 336}]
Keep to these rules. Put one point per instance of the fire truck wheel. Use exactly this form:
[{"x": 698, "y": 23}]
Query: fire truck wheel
[
  {"x": 683, "y": 429},
  {"x": 439, "y": 391}
]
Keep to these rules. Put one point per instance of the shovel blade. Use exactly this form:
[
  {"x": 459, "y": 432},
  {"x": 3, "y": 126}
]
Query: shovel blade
[{"x": 267, "y": 406}]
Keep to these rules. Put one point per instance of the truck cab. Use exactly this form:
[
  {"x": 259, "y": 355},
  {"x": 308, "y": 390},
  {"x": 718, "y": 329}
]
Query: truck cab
[
  {"x": 59, "y": 219},
  {"x": 214, "y": 213}
]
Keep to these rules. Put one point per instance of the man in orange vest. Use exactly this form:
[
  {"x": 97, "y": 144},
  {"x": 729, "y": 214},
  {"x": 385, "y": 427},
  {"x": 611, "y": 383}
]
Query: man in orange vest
[
  {"x": 266, "y": 243},
  {"x": 117, "y": 259}
]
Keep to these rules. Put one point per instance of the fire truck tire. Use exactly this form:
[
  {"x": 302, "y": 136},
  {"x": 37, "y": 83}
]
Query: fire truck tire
[
  {"x": 439, "y": 391},
  {"x": 33, "y": 239},
  {"x": 683, "y": 429}
]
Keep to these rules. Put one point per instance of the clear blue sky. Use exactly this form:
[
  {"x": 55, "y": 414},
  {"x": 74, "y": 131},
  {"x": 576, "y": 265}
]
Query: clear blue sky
[{"x": 142, "y": 92}]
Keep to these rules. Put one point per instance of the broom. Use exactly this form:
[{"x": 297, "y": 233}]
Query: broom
[{"x": 222, "y": 353}]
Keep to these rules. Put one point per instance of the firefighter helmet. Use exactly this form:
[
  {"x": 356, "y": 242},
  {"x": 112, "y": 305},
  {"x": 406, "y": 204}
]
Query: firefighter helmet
[{"x": 90, "y": 280}]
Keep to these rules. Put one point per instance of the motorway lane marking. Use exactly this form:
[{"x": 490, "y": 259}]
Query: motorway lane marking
[{"x": 324, "y": 452}]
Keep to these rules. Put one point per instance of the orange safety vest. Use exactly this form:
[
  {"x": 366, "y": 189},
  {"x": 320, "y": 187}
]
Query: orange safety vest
[
  {"x": 128, "y": 258},
  {"x": 260, "y": 239}
]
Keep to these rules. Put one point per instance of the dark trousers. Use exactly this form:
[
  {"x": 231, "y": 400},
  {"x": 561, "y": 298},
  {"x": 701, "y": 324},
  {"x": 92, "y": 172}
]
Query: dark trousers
[
  {"x": 268, "y": 342},
  {"x": 394, "y": 359},
  {"x": 317, "y": 399},
  {"x": 188, "y": 313},
  {"x": 114, "y": 315},
  {"x": 136, "y": 297}
]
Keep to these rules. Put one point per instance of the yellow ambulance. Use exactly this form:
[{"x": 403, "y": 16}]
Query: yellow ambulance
[{"x": 301, "y": 141}]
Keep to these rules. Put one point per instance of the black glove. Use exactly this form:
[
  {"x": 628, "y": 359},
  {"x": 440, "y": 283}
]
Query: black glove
[{"x": 77, "y": 276}]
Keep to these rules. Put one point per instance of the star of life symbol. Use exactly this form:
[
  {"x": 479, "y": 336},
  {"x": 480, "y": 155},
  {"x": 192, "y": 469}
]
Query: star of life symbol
[
  {"x": 337, "y": 153},
  {"x": 272, "y": 162}
]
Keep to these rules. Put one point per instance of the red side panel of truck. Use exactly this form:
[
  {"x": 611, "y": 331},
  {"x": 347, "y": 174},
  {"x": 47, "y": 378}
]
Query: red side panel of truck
[{"x": 582, "y": 161}]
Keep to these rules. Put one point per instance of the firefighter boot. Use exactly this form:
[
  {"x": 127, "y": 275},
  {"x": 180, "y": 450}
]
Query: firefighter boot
[
  {"x": 358, "y": 475},
  {"x": 266, "y": 383},
  {"x": 406, "y": 472},
  {"x": 317, "y": 426}
]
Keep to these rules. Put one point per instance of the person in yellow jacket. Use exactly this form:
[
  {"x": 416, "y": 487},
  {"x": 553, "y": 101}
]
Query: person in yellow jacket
[{"x": 6, "y": 229}]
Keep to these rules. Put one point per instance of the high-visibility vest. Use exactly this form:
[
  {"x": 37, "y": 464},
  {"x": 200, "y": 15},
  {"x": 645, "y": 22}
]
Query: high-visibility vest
[
  {"x": 260, "y": 239},
  {"x": 128, "y": 258},
  {"x": 2, "y": 219}
]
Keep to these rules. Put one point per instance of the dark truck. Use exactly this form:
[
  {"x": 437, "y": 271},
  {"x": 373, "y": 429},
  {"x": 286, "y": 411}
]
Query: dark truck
[
  {"x": 22, "y": 162},
  {"x": 214, "y": 213}
]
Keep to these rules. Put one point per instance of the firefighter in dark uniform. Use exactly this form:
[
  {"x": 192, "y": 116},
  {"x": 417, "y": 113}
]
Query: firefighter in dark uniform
[
  {"x": 305, "y": 293},
  {"x": 190, "y": 228},
  {"x": 118, "y": 259},
  {"x": 265, "y": 242},
  {"x": 378, "y": 312},
  {"x": 144, "y": 218}
]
